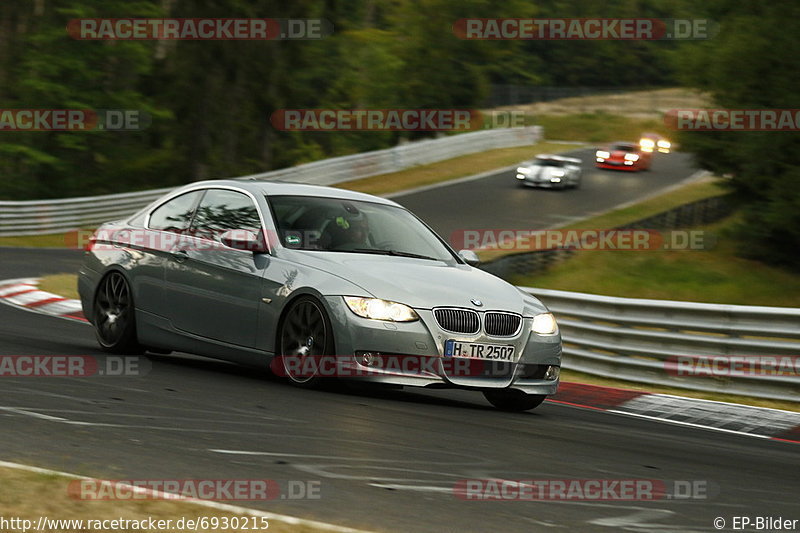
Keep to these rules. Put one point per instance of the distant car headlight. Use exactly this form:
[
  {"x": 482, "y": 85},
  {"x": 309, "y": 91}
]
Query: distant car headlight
[
  {"x": 377, "y": 309},
  {"x": 544, "y": 324},
  {"x": 523, "y": 170},
  {"x": 603, "y": 154},
  {"x": 647, "y": 143},
  {"x": 558, "y": 173},
  {"x": 664, "y": 144},
  {"x": 632, "y": 157}
]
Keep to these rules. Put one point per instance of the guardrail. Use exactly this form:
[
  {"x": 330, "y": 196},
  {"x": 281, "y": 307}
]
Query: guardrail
[
  {"x": 39, "y": 217},
  {"x": 642, "y": 340}
]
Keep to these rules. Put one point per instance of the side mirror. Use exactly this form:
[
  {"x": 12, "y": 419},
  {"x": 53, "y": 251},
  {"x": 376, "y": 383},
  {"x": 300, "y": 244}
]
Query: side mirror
[
  {"x": 469, "y": 257},
  {"x": 242, "y": 239}
]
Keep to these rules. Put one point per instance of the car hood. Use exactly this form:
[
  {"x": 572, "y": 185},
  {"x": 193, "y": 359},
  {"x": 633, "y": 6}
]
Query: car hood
[
  {"x": 420, "y": 283},
  {"x": 620, "y": 154}
]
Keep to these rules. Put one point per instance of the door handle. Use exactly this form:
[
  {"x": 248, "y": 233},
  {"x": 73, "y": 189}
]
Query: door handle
[{"x": 180, "y": 255}]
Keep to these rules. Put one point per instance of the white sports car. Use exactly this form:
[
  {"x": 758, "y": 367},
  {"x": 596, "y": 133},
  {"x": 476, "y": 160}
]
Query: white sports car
[{"x": 552, "y": 171}]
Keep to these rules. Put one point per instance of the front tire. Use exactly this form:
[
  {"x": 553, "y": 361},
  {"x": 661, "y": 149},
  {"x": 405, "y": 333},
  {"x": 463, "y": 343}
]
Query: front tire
[
  {"x": 513, "y": 400},
  {"x": 114, "y": 317},
  {"x": 305, "y": 338}
]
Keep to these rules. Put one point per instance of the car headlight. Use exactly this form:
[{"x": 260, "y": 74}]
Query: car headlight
[
  {"x": 664, "y": 144},
  {"x": 647, "y": 143},
  {"x": 377, "y": 309},
  {"x": 632, "y": 157},
  {"x": 558, "y": 173},
  {"x": 544, "y": 324},
  {"x": 603, "y": 154},
  {"x": 523, "y": 170}
]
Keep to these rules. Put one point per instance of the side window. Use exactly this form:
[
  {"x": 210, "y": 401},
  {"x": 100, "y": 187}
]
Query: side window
[
  {"x": 222, "y": 210},
  {"x": 176, "y": 214}
]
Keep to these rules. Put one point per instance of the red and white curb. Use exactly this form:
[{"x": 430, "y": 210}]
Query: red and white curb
[
  {"x": 751, "y": 421},
  {"x": 24, "y": 293}
]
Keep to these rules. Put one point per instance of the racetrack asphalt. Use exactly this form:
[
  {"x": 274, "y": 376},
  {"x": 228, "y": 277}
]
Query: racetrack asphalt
[
  {"x": 500, "y": 202},
  {"x": 385, "y": 459}
]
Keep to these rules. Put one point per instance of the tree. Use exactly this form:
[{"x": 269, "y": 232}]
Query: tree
[{"x": 754, "y": 63}]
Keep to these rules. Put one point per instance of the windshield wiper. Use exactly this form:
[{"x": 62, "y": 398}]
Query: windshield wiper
[{"x": 396, "y": 253}]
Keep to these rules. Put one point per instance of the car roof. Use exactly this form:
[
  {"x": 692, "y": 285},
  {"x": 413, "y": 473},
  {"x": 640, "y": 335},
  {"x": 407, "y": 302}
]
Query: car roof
[
  {"x": 286, "y": 188},
  {"x": 554, "y": 157}
]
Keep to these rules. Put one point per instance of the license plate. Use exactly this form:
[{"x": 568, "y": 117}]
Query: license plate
[{"x": 477, "y": 350}]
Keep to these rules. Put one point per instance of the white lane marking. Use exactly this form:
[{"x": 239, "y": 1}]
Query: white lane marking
[
  {"x": 638, "y": 519},
  {"x": 48, "y": 418},
  {"x": 689, "y": 424},
  {"x": 306, "y": 456},
  {"x": 224, "y": 507},
  {"x": 60, "y": 420},
  {"x": 448, "y": 183},
  {"x": 465, "y": 459},
  {"x": 33, "y": 414}
]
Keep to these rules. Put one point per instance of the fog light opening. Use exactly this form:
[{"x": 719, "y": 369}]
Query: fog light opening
[
  {"x": 367, "y": 358},
  {"x": 552, "y": 373}
]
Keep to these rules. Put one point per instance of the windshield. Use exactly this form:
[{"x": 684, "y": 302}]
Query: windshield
[
  {"x": 624, "y": 147},
  {"x": 549, "y": 163},
  {"x": 336, "y": 225}
]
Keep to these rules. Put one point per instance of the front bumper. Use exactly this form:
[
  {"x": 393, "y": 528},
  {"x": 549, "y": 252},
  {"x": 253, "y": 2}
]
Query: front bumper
[
  {"x": 614, "y": 165},
  {"x": 546, "y": 182},
  {"x": 416, "y": 350}
]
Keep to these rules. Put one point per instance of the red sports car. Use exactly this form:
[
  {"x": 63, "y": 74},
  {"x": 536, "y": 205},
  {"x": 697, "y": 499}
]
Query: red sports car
[{"x": 623, "y": 156}]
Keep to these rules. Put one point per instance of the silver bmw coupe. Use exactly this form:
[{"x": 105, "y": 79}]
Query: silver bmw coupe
[{"x": 315, "y": 282}]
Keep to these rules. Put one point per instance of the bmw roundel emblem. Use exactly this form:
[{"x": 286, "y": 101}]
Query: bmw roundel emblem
[{"x": 477, "y": 302}]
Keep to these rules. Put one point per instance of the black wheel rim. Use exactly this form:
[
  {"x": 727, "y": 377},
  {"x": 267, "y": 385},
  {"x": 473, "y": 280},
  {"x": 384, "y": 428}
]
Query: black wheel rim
[
  {"x": 112, "y": 312},
  {"x": 303, "y": 337}
]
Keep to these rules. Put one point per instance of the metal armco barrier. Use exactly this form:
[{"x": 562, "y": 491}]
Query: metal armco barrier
[
  {"x": 635, "y": 339},
  {"x": 40, "y": 217}
]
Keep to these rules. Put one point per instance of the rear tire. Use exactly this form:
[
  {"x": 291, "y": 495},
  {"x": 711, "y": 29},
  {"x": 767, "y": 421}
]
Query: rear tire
[
  {"x": 513, "y": 400},
  {"x": 114, "y": 317}
]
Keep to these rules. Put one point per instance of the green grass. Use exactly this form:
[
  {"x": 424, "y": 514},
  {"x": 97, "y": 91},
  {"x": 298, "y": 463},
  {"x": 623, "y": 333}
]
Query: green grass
[
  {"x": 716, "y": 275},
  {"x": 54, "y": 240},
  {"x": 65, "y": 285},
  {"x": 657, "y": 204},
  {"x": 599, "y": 127}
]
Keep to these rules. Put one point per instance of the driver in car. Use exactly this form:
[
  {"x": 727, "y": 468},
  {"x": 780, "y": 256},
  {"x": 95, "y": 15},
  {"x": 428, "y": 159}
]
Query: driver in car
[{"x": 348, "y": 232}]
